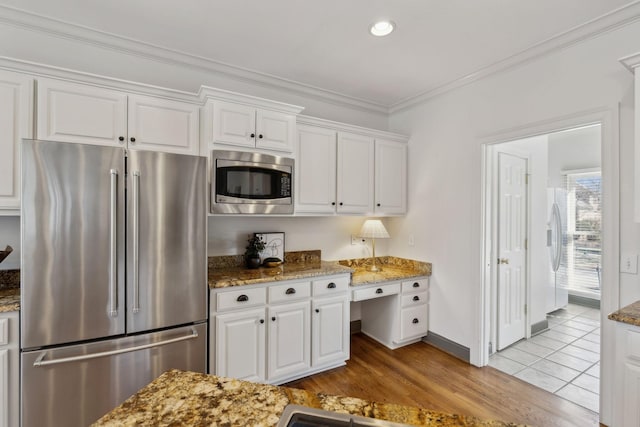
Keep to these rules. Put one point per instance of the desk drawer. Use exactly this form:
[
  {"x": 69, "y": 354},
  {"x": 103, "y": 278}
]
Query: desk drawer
[
  {"x": 414, "y": 322},
  {"x": 289, "y": 291},
  {"x": 415, "y": 299},
  {"x": 376, "y": 292},
  {"x": 332, "y": 286},
  {"x": 416, "y": 285},
  {"x": 241, "y": 298}
]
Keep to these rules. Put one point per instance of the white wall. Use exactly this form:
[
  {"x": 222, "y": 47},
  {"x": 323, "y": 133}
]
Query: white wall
[{"x": 332, "y": 235}]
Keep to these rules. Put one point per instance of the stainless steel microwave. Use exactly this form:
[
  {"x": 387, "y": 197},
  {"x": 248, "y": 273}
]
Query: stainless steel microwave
[{"x": 251, "y": 183}]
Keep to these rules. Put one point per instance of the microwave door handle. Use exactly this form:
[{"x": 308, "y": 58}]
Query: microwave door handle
[{"x": 135, "y": 230}]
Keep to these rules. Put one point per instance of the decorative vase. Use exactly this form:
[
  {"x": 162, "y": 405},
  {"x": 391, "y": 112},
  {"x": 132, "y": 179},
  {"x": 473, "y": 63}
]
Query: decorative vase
[{"x": 252, "y": 262}]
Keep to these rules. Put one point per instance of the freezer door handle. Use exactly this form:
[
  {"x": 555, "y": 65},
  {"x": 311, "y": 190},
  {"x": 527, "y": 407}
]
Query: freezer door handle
[
  {"x": 40, "y": 362},
  {"x": 136, "y": 240},
  {"x": 113, "y": 244}
]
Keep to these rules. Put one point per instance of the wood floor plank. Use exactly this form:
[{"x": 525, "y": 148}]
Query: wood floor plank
[{"x": 421, "y": 375}]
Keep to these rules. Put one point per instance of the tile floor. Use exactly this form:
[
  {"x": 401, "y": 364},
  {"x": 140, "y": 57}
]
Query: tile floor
[{"x": 565, "y": 360}]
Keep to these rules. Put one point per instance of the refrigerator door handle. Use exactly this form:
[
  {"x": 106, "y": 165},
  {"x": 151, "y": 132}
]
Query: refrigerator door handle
[
  {"x": 136, "y": 240},
  {"x": 40, "y": 362},
  {"x": 558, "y": 237},
  {"x": 113, "y": 242}
]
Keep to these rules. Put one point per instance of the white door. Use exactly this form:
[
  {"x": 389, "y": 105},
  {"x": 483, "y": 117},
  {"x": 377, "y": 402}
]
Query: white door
[
  {"x": 72, "y": 112},
  {"x": 355, "y": 173},
  {"x": 158, "y": 124},
  {"x": 275, "y": 131},
  {"x": 391, "y": 177},
  {"x": 234, "y": 124},
  {"x": 240, "y": 345},
  {"x": 512, "y": 207},
  {"x": 330, "y": 330},
  {"x": 16, "y": 122},
  {"x": 316, "y": 170},
  {"x": 289, "y": 346}
]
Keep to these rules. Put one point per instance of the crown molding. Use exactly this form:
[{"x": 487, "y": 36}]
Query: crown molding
[
  {"x": 207, "y": 93},
  {"x": 600, "y": 25},
  {"x": 631, "y": 62},
  {"x": 57, "y": 28},
  {"x": 346, "y": 127}
]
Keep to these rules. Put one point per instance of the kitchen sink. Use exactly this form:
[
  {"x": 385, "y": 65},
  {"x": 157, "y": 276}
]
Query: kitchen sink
[{"x": 302, "y": 416}]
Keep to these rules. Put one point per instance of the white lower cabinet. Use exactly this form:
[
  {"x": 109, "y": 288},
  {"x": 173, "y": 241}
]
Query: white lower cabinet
[
  {"x": 272, "y": 326},
  {"x": 9, "y": 370},
  {"x": 395, "y": 313},
  {"x": 627, "y": 376}
]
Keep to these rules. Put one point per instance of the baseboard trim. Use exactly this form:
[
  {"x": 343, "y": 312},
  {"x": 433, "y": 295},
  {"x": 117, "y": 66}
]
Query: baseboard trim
[
  {"x": 584, "y": 301},
  {"x": 448, "y": 346},
  {"x": 356, "y": 326},
  {"x": 539, "y": 327}
]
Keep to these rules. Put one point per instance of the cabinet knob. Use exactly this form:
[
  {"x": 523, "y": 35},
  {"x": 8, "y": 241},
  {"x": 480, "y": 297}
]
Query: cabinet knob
[
  {"x": 416, "y": 298},
  {"x": 415, "y": 321},
  {"x": 290, "y": 291},
  {"x": 333, "y": 203},
  {"x": 132, "y": 139},
  {"x": 242, "y": 298},
  {"x": 253, "y": 135},
  {"x": 416, "y": 284},
  {"x": 317, "y": 310},
  {"x": 331, "y": 285},
  {"x": 260, "y": 136},
  {"x": 341, "y": 203},
  {"x": 273, "y": 319},
  {"x": 378, "y": 205},
  {"x": 121, "y": 138},
  {"x": 261, "y": 320},
  {"x": 378, "y": 291}
]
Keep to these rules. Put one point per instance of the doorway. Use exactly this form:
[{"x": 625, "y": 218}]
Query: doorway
[{"x": 557, "y": 345}]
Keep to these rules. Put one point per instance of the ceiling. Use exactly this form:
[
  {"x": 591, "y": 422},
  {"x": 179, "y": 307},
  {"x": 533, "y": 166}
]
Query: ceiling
[{"x": 326, "y": 44}]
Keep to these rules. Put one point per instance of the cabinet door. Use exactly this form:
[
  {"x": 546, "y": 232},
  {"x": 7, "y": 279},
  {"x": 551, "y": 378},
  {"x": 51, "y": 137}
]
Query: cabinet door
[
  {"x": 4, "y": 388},
  {"x": 355, "y": 173},
  {"x": 234, "y": 124},
  {"x": 391, "y": 177},
  {"x": 289, "y": 341},
  {"x": 71, "y": 112},
  {"x": 158, "y": 124},
  {"x": 275, "y": 131},
  {"x": 9, "y": 370},
  {"x": 631, "y": 413},
  {"x": 330, "y": 330},
  {"x": 16, "y": 122},
  {"x": 316, "y": 170},
  {"x": 240, "y": 345}
]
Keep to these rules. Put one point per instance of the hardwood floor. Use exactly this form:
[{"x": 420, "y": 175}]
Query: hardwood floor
[{"x": 421, "y": 375}]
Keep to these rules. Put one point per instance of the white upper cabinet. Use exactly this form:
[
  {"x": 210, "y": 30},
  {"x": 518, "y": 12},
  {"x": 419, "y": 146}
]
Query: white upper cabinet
[
  {"x": 16, "y": 122},
  {"x": 158, "y": 124},
  {"x": 316, "y": 170},
  {"x": 355, "y": 173},
  {"x": 390, "y": 177},
  {"x": 72, "y": 112},
  {"x": 79, "y": 113},
  {"x": 250, "y": 127}
]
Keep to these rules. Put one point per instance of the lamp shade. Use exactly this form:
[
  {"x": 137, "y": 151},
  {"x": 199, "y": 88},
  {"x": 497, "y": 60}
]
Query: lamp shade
[{"x": 373, "y": 228}]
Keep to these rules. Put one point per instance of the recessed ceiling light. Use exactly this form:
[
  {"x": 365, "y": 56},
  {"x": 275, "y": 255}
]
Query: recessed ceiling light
[{"x": 382, "y": 28}]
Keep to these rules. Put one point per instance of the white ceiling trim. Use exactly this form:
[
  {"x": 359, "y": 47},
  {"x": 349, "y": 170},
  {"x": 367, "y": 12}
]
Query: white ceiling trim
[
  {"x": 57, "y": 28},
  {"x": 607, "y": 22},
  {"x": 631, "y": 62}
]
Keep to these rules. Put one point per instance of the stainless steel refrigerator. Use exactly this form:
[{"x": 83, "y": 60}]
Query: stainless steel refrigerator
[
  {"x": 557, "y": 291},
  {"x": 113, "y": 276}
]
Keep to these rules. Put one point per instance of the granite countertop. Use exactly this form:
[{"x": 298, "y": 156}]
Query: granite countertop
[
  {"x": 629, "y": 314},
  {"x": 189, "y": 398},
  {"x": 9, "y": 300},
  {"x": 391, "y": 268}
]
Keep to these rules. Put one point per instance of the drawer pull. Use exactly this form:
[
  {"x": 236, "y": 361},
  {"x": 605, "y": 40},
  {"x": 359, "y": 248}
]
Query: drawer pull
[
  {"x": 415, "y": 320},
  {"x": 416, "y": 298},
  {"x": 242, "y": 298},
  {"x": 317, "y": 310},
  {"x": 273, "y": 319},
  {"x": 261, "y": 320},
  {"x": 416, "y": 284},
  {"x": 378, "y": 291},
  {"x": 331, "y": 285},
  {"x": 290, "y": 291}
]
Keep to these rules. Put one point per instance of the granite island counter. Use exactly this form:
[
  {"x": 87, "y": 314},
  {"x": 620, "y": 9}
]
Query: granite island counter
[{"x": 194, "y": 399}]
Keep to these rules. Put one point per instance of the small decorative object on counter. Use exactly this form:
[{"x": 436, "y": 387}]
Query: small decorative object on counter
[
  {"x": 255, "y": 245},
  {"x": 5, "y": 253},
  {"x": 272, "y": 262}
]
